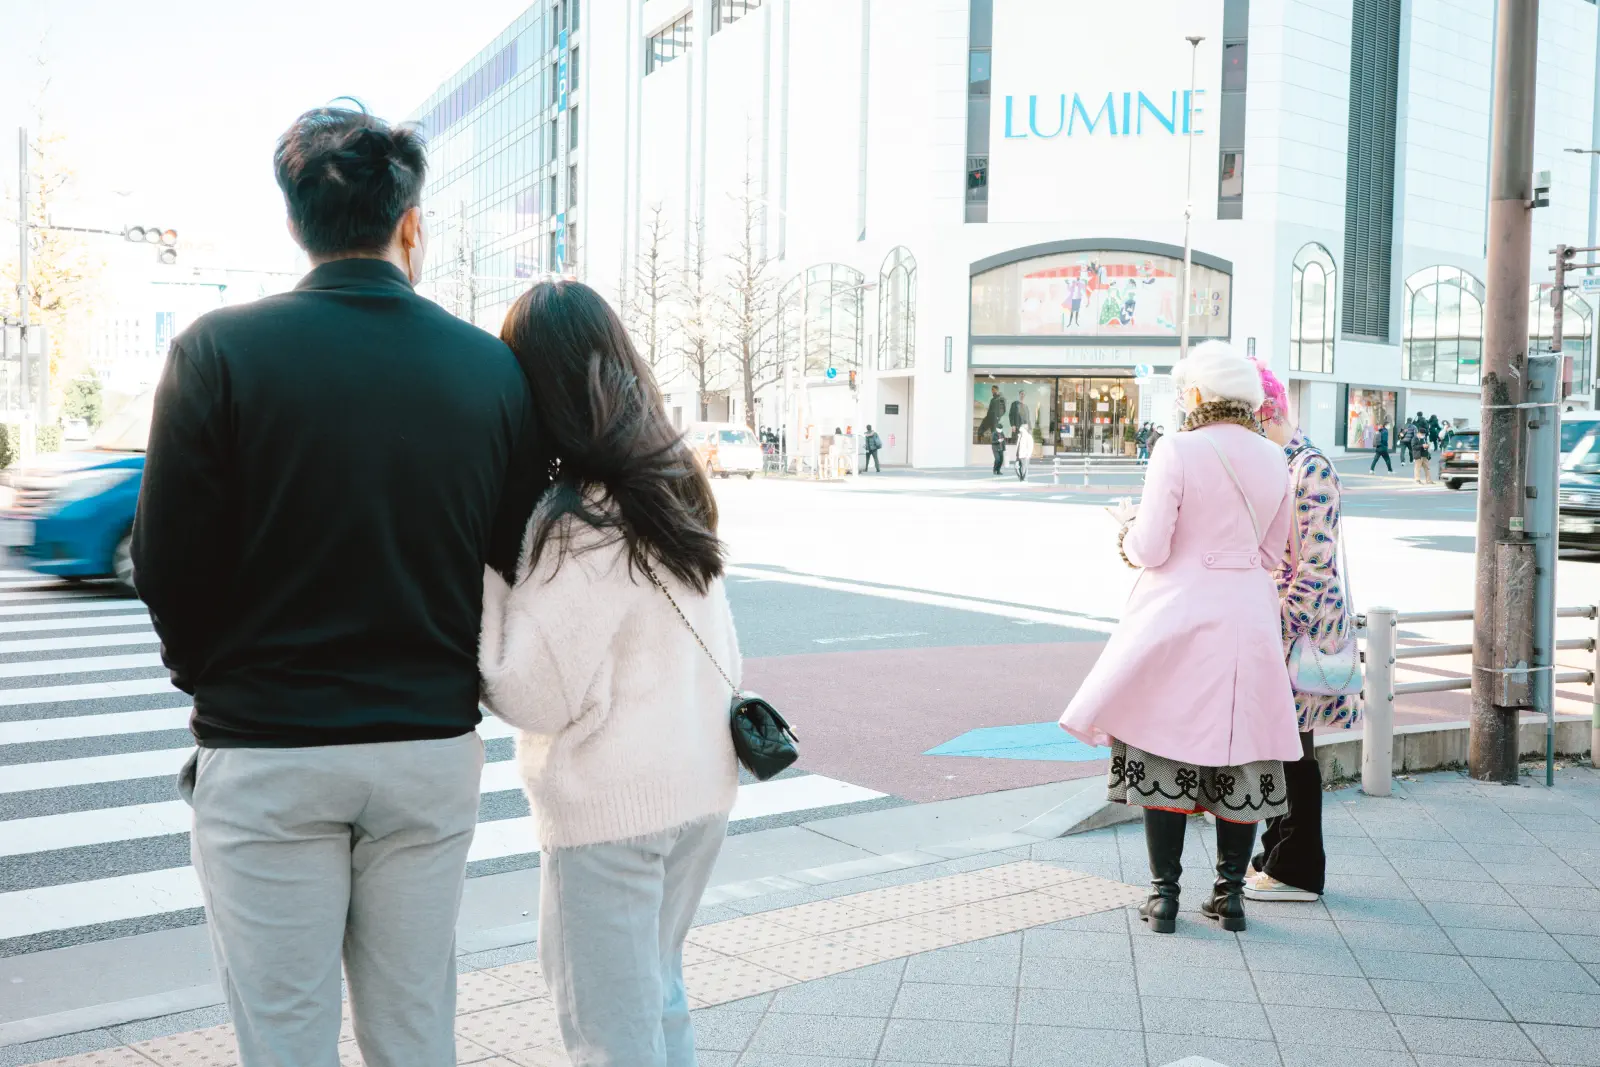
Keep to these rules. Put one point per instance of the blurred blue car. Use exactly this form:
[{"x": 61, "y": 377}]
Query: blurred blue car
[{"x": 71, "y": 513}]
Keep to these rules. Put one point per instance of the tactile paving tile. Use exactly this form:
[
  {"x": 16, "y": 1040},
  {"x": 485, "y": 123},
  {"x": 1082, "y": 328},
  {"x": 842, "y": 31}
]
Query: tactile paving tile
[
  {"x": 476, "y": 990},
  {"x": 466, "y": 1052},
  {"x": 1031, "y": 875},
  {"x": 350, "y": 1055},
  {"x": 212, "y": 1047},
  {"x": 896, "y": 938},
  {"x": 822, "y": 917},
  {"x": 539, "y": 1056},
  {"x": 728, "y": 979},
  {"x": 813, "y": 957},
  {"x": 512, "y": 1027},
  {"x": 915, "y": 898},
  {"x": 347, "y": 1026},
  {"x": 693, "y": 954},
  {"x": 736, "y": 936},
  {"x": 969, "y": 922},
  {"x": 525, "y": 975},
  {"x": 121, "y": 1056},
  {"x": 1102, "y": 893}
]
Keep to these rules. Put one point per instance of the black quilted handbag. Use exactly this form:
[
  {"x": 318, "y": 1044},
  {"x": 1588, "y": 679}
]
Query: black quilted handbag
[{"x": 762, "y": 738}]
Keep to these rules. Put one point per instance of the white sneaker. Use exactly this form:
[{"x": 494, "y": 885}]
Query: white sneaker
[{"x": 1263, "y": 886}]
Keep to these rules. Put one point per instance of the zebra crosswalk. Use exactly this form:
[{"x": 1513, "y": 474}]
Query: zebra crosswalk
[{"x": 93, "y": 838}]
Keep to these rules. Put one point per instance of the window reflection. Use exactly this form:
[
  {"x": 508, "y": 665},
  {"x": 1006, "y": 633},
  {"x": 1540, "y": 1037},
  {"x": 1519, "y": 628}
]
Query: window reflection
[{"x": 1443, "y": 338}]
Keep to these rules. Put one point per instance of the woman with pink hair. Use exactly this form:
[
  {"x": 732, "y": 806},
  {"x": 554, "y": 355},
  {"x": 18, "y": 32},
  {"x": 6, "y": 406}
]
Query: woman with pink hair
[{"x": 1291, "y": 864}]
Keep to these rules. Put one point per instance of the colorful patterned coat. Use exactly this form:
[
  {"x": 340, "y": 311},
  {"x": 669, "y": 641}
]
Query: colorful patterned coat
[{"x": 1311, "y": 591}]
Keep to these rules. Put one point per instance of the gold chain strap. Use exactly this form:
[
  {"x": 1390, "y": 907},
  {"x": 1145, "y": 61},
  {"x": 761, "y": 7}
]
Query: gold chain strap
[{"x": 692, "y": 631}]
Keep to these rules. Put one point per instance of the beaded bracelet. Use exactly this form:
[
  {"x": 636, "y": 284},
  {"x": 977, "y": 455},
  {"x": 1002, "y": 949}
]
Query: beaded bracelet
[{"x": 1121, "y": 534}]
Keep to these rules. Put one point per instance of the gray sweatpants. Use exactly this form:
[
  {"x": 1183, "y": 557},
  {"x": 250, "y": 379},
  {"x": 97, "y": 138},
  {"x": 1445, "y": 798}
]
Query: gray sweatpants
[
  {"x": 307, "y": 855},
  {"x": 612, "y": 919}
]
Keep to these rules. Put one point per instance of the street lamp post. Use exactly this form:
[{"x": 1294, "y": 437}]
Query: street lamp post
[{"x": 1188, "y": 195}]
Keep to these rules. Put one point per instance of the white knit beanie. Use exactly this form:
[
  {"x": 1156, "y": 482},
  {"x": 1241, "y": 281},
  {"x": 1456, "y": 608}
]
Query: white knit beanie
[{"x": 1219, "y": 374}]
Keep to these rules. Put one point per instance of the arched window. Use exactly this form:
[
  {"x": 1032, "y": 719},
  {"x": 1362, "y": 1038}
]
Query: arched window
[
  {"x": 897, "y": 311},
  {"x": 833, "y": 319},
  {"x": 1311, "y": 311},
  {"x": 1443, "y": 339},
  {"x": 1577, "y": 332}
]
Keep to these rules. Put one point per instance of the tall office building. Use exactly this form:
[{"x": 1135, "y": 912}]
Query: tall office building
[{"x": 954, "y": 197}]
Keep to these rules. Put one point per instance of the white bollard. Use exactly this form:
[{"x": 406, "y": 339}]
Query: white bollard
[{"x": 1377, "y": 739}]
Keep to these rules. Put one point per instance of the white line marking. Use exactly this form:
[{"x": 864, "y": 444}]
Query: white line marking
[
  {"x": 126, "y": 766},
  {"x": 57, "y": 644},
  {"x": 111, "y": 724},
  {"x": 939, "y": 600},
  {"x": 49, "y": 625},
  {"x": 118, "y": 606},
  {"x": 868, "y": 637},
  {"x": 62, "y": 593},
  {"x": 57, "y": 694},
  {"x": 79, "y": 666},
  {"x": 61, "y": 907}
]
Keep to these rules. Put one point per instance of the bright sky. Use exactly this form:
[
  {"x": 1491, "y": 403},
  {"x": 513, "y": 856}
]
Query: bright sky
[{"x": 171, "y": 107}]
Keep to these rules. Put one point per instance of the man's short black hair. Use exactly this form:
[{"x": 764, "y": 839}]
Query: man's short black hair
[{"x": 347, "y": 178}]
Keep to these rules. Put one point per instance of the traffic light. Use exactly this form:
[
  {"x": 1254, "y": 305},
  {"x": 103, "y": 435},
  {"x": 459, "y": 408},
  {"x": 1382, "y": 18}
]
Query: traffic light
[{"x": 166, "y": 241}]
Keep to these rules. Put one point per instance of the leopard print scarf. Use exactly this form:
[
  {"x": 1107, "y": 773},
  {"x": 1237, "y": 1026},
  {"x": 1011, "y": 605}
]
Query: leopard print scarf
[{"x": 1234, "y": 411}]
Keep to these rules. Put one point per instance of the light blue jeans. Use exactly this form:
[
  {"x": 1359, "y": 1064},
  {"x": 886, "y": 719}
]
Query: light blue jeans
[{"x": 612, "y": 919}]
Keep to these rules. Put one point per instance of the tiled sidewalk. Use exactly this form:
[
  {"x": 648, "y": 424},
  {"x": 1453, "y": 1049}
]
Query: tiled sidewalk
[{"x": 1461, "y": 928}]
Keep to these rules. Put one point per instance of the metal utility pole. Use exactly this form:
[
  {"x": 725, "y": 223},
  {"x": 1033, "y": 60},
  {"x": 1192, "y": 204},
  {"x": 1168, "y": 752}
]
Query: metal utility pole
[
  {"x": 24, "y": 296},
  {"x": 1503, "y": 601},
  {"x": 1188, "y": 196}
]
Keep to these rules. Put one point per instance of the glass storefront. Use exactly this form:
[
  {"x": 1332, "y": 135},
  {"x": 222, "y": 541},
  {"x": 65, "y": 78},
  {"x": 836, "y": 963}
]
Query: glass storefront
[
  {"x": 1367, "y": 411},
  {"x": 1068, "y": 413}
]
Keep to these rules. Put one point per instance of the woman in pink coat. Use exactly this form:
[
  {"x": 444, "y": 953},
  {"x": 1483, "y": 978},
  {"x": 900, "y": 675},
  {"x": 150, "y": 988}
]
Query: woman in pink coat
[{"x": 1191, "y": 692}]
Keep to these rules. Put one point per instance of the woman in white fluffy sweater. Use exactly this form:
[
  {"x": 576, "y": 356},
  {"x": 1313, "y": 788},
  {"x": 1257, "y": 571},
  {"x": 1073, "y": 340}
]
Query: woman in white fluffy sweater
[{"x": 624, "y": 744}]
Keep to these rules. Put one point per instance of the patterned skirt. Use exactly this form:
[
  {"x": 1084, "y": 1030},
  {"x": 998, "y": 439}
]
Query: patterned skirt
[{"x": 1247, "y": 793}]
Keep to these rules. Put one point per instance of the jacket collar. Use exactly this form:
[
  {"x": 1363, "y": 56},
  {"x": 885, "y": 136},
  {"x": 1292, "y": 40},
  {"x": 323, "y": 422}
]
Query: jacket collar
[{"x": 355, "y": 274}]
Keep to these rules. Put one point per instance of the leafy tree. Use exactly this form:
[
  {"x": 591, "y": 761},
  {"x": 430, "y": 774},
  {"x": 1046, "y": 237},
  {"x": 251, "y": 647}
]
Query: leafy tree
[{"x": 81, "y": 400}]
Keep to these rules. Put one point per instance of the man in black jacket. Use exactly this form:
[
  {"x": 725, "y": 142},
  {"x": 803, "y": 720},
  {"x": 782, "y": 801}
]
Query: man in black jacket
[{"x": 328, "y": 472}]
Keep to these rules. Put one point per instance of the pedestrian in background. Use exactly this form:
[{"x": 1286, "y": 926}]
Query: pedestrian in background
[
  {"x": 874, "y": 444},
  {"x": 1291, "y": 864},
  {"x": 1191, "y": 693},
  {"x": 1381, "y": 450},
  {"x": 329, "y": 469},
  {"x": 609, "y": 653},
  {"x": 1408, "y": 434},
  {"x": 1024, "y": 448},
  {"x": 1156, "y": 434},
  {"x": 997, "y": 445},
  {"x": 1422, "y": 466},
  {"x": 1141, "y": 441}
]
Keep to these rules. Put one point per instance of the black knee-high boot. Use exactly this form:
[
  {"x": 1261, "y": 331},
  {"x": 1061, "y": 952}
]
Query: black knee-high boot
[
  {"x": 1234, "y": 841},
  {"x": 1163, "y": 838}
]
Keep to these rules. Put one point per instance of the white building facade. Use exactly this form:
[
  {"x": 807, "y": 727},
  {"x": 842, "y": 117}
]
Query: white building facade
[{"x": 946, "y": 198}]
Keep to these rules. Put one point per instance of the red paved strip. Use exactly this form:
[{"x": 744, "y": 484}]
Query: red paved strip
[{"x": 868, "y": 716}]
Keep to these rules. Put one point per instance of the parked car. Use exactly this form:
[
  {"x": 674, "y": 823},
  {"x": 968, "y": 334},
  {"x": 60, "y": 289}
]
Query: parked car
[
  {"x": 1458, "y": 458},
  {"x": 725, "y": 448},
  {"x": 1578, "y": 523},
  {"x": 71, "y": 513}
]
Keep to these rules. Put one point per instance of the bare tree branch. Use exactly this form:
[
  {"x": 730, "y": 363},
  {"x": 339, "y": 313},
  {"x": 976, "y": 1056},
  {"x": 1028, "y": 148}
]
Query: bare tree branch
[{"x": 746, "y": 305}]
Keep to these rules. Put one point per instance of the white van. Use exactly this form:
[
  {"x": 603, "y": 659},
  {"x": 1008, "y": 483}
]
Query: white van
[{"x": 725, "y": 448}]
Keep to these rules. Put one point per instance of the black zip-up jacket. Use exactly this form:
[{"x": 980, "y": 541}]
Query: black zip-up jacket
[{"x": 329, "y": 470}]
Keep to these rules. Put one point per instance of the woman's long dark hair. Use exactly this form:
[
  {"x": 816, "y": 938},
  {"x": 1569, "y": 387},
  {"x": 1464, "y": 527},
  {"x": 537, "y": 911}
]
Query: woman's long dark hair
[{"x": 601, "y": 417}]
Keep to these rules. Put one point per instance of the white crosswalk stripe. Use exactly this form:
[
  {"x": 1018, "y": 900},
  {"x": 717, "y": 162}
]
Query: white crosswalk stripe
[{"x": 91, "y": 830}]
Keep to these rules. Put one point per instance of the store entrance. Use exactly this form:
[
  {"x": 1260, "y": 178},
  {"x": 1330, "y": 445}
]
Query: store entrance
[{"x": 1097, "y": 416}]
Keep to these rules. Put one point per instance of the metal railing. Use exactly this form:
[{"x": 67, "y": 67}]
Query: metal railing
[
  {"x": 1381, "y": 654},
  {"x": 1070, "y": 464}
]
